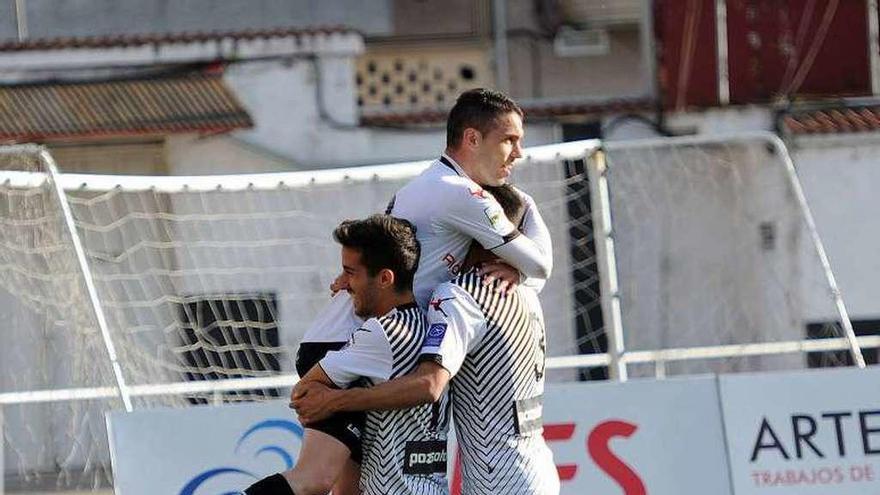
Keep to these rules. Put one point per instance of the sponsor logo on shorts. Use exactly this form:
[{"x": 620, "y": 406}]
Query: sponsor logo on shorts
[
  {"x": 354, "y": 430},
  {"x": 425, "y": 457}
]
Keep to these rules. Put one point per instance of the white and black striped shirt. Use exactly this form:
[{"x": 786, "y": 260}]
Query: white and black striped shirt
[
  {"x": 404, "y": 450},
  {"x": 493, "y": 347}
]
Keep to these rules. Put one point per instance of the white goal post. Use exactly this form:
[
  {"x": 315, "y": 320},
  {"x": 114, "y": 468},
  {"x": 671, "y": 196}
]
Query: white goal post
[{"x": 126, "y": 292}]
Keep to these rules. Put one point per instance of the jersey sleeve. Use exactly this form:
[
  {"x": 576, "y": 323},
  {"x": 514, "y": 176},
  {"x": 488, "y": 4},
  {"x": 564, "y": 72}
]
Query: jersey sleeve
[
  {"x": 455, "y": 326},
  {"x": 367, "y": 355},
  {"x": 475, "y": 213},
  {"x": 534, "y": 227}
]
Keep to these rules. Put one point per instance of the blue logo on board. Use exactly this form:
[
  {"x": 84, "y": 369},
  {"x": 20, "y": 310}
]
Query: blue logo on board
[{"x": 287, "y": 458}]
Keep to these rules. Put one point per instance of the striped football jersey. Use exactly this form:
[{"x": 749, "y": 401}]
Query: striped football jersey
[
  {"x": 493, "y": 346},
  {"x": 404, "y": 451}
]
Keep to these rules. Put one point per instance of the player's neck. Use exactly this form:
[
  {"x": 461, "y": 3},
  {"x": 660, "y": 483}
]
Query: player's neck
[
  {"x": 392, "y": 300},
  {"x": 461, "y": 160}
]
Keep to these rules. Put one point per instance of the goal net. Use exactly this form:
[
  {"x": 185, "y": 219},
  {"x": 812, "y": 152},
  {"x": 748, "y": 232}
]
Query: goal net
[
  {"x": 715, "y": 256},
  {"x": 195, "y": 281},
  {"x": 198, "y": 279}
]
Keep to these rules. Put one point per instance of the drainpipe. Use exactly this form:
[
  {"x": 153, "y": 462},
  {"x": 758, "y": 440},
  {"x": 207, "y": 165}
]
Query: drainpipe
[
  {"x": 21, "y": 19},
  {"x": 502, "y": 71}
]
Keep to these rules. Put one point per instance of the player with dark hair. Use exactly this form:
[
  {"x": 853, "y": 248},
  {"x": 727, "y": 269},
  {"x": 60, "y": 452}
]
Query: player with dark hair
[
  {"x": 449, "y": 206},
  {"x": 490, "y": 348},
  {"x": 379, "y": 259},
  {"x": 478, "y": 109}
]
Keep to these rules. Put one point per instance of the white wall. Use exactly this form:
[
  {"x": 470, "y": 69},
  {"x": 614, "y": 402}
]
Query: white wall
[
  {"x": 282, "y": 98},
  {"x": 722, "y": 120},
  {"x": 194, "y": 155},
  {"x": 841, "y": 179},
  {"x": 704, "y": 122},
  {"x": 690, "y": 261}
]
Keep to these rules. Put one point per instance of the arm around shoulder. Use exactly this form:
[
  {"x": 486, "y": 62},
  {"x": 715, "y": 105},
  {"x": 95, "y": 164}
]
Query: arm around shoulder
[{"x": 424, "y": 385}]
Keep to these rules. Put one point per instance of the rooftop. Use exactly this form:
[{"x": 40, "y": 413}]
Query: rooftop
[
  {"x": 834, "y": 120},
  {"x": 195, "y": 102},
  {"x": 136, "y": 40}
]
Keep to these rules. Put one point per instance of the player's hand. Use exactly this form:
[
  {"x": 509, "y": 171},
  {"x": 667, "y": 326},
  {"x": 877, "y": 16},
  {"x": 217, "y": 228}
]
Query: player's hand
[
  {"x": 312, "y": 401},
  {"x": 337, "y": 284},
  {"x": 507, "y": 276}
]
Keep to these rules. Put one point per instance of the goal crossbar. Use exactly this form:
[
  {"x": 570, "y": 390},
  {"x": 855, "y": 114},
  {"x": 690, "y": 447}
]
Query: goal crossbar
[{"x": 575, "y": 150}]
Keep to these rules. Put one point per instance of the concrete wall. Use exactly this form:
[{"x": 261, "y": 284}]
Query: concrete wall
[
  {"x": 692, "y": 267},
  {"x": 283, "y": 99},
  {"x": 225, "y": 154},
  {"x": 841, "y": 179},
  {"x": 51, "y": 18},
  {"x": 537, "y": 71}
]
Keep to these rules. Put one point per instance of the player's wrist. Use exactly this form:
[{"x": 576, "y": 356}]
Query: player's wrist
[{"x": 337, "y": 400}]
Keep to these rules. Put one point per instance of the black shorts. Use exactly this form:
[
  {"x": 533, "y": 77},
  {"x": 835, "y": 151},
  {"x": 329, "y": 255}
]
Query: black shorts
[{"x": 347, "y": 427}]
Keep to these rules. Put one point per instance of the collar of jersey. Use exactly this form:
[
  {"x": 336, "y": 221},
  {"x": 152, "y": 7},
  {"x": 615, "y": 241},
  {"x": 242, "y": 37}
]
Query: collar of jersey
[
  {"x": 405, "y": 306},
  {"x": 449, "y": 162}
]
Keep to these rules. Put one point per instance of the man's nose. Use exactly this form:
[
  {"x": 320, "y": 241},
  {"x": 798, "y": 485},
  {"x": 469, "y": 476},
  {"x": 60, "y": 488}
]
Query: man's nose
[{"x": 517, "y": 151}]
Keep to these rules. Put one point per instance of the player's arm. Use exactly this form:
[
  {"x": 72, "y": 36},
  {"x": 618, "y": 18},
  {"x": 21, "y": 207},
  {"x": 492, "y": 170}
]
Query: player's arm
[
  {"x": 534, "y": 227},
  {"x": 367, "y": 355},
  {"x": 523, "y": 254},
  {"x": 424, "y": 385},
  {"x": 456, "y": 326},
  {"x": 316, "y": 375},
  {"x": 482, "y": 218}
]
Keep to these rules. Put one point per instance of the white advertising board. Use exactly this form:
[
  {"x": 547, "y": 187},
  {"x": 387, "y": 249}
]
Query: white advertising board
[
  {"x": 201, "y": 450},
  {"x": 637, "y": 438},
  {"x": 662, "y": 438},
  {"x": 805, "y": 433}
]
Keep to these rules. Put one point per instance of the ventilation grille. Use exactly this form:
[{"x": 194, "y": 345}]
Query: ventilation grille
[{"x": 394, "y": 82}]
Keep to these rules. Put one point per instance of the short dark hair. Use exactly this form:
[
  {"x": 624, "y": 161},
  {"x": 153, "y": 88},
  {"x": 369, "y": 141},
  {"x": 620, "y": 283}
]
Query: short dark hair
[
  {"x": 510, "y": 200},
  {"x": 514, "y": 207},
  {"x": 478, "y": 108},
  {"x": 383, "y": 242}
]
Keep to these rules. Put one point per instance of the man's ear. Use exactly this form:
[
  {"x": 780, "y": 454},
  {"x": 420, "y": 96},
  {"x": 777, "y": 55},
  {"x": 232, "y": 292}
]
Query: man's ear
[
  {"x": 471, "y": 138},
  {"x": 386, "y": 278}
]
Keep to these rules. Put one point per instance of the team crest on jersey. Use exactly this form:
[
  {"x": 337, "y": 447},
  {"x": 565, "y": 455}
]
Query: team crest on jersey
[
  {"x": 435, "y": 304},
  {"x": 435, "y": 335},
  {"x": 478, "y": 193},
  {"x": 494, "y": 215}
]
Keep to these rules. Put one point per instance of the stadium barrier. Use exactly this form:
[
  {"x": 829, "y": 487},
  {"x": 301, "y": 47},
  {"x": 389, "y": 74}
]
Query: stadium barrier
[
  {"x": 136, "y": 292},
  {"x": 743, "y": 434}
]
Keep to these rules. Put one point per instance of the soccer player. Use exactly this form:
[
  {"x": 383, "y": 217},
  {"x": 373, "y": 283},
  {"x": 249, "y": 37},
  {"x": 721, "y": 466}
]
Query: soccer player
[
  {"x": 449, "y": 207},
  {"x": 403, "y": 451},
  {"x": 490, "y": 348}
]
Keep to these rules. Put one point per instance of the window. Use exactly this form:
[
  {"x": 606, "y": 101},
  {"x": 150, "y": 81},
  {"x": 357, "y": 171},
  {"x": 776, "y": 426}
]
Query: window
[
  {"x": 823, "y": 359},
  {"x": 230, "y": 336}
]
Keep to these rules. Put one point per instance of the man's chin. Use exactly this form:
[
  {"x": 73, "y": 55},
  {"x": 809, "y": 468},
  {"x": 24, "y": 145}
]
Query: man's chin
[{"x": 496, "y": 182}]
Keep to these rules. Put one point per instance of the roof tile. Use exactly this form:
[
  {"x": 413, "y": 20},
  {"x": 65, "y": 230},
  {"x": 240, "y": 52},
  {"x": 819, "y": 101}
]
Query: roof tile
[
  {"x": 193, "y": 102},
  {"x": 834, "y": 120},
  {"x": 132, "y": 40}
]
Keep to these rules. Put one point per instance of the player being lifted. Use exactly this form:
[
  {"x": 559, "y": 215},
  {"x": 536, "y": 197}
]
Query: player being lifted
[
  {"x": 489, "y": 347},
  {"x": 402, "y": 451},
  {"x": 449, "y": 208}
]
